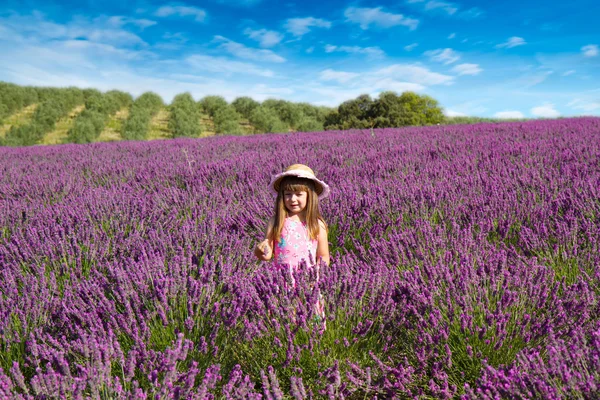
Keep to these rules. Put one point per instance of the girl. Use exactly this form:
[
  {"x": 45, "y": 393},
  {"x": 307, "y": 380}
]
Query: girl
[{"x": 297, "y": 231}]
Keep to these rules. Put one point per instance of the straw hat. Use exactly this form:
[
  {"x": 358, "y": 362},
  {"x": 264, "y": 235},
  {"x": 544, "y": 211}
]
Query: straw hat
[{"x": 301, "y": 171}]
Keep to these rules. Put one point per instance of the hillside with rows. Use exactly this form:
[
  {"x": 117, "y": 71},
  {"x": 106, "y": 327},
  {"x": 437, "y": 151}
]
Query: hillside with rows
[{"x": 34, "y": 115}]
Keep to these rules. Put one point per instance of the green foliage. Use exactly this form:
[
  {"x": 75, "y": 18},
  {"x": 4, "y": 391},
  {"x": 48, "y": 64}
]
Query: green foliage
[
  {"x": 287, "y": 112},
  {"x": 14, "y": 98},
  {"x": 388, "y": 110},
  {"x": 308, "y": 124},
  {"x": 266, "y": 120},
  {"x": 227, "y": 120},
  {"x": 474, "y": 120},
  {"x": 140, "y": 114},
  {"x": 210, "y": 104},
  {"x": 58, "y": 103},
  {"x": 245, "y": 105},
  {"x": 88, "y": 125},
  {"x": 185, "y": 117}
]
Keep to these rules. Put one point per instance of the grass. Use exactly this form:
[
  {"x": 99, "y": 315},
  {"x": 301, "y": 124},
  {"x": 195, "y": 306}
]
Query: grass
[
  {"x": 62, "y": 126},
  {"x": 207, "y": 126},
  {"x": 112, "y": 129},
  {"x": 17, "y": 119},
  {"x": 159, "y": 125}
]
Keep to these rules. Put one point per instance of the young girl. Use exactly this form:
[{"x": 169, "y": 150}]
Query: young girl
[{"x": 297, "y": 231}]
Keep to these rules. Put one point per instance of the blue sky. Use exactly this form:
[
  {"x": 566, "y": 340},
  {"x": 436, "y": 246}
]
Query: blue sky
[{"x": 496, "y": 59}]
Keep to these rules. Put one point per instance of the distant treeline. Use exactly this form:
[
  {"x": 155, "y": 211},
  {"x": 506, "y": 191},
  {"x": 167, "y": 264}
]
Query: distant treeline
[{"x": 389, "y": 109}]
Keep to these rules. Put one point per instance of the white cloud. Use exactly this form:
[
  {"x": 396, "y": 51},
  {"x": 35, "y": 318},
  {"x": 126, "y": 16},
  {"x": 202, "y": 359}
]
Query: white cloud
[
  {"x": 569, "y": 72},
  {"x": 374, "y": 16},
  {"x": 226, "y": 66},
  {"x": 262, "y": 92},
  {"x": 369, "y": 51},
  {"x": 591, "y": 50},
  {"x": 265, "y": 37},
  {"x": 447, "y": 7},
  {"x": 452, "y": 113},
  {"x": 411, "y": 46},
  {"x": 415, "y": 74},
  {"x": 119, "y": 21},
  {"x": 310, "y": 49},
  {"x": 545, "y": 111},
  {"x": 531, "y": 80},
  {"x": 446, "y": 56},
  {"x": 181, "y": 11},
  {"x": 103, "y": 29},
  {"x": 513, "y": 41},
  {"x": 467, "y": 69},
  {"x": 587, "y": 106},
  {"x": 301, "y": 26},
  {"x": 241, "y": 51},
  {"x": 339, "y": 76},
  {"x": 452, "y": 36},
  {"x": 509, "y": 115}
]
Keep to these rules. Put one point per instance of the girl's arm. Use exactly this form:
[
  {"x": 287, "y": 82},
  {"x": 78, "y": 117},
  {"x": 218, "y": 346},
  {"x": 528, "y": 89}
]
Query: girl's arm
[
  {"x": 264, "y": 250},
  {"x": 322, "y": 244}
]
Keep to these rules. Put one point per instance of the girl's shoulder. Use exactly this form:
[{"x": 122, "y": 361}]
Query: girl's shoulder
[{"x": 322, "y": 223}]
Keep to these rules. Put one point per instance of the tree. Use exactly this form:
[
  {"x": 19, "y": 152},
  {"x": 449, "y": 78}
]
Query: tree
[
  {"x": 266, "y": 120},
  {"x": 185, "y": 116},
  {"x": 227, "y": 120},
  {"x": 408, "y": 109},
  {"x": 245, "y": 105},
  {"x": 210, "y": 104},
  {"x": 308, "y": 124},
  {"x": 287, "y": 112}
]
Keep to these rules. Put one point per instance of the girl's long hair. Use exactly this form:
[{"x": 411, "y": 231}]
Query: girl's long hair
[{"x": 312, "y": 212}]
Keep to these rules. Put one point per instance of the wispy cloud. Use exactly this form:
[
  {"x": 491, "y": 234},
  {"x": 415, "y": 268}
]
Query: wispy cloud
[
  {"x": 396, "y": 77},
  {"x": 411, "y": 46},
  {"x": 339, "y": 76},
  {"x": 509, "y": 115},
  {"x": 368, "y": 51},
  {"x": 181, "y": 11},
  {"x": 226, "y": 66},
  {"x": 545, "y": 111},
  {"x": 449, "y": 8},
  {"x": 107, "y": 30},
  {"x": 301, "y": 26},
  {"x": 471, "y": 13},
  {"x": 467, "y": 69},
  {"x": 591, "y": 50},
  {"x": 569, "y": 72},
  {"x": 264, "y": 37},
  {"x": 446, "y": 56},
  {"x": 415, "y": 74},
  {"x": 366, "y": 17},
  {"x": 241, "y": 51},
  {"x": 512, "y": 42},
  {"x": 452, "y": 36},
  {"x": 452, "y": 113},
  {"x": 584, "y": 105}
]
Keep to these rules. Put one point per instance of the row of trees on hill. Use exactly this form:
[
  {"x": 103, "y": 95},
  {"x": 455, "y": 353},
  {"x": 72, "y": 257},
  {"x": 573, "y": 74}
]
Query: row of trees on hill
[
  {"x": 98, "y": 108},
  {"x": 243, "y": 115},
  {"x": 54, "y": 105},
  {"x": 141, "y": 112}
]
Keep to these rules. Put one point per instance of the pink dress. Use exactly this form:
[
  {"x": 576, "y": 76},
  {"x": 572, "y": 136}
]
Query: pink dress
[{"x": 294, "y": 246}]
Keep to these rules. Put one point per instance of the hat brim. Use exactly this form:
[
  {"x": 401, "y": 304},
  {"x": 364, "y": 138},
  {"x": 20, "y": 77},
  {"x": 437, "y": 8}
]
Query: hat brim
[{"x": 276, "y": 180}]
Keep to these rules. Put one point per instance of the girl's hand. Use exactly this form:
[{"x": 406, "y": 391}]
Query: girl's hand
[{"x": 265, "y": 249}]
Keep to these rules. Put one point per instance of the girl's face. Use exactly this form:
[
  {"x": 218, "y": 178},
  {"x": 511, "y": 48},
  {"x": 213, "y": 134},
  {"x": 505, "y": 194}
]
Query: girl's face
[{"x": 295, "y": 201}]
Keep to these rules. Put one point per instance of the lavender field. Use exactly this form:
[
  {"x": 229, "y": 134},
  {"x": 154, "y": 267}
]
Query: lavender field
[{"x": 465, "y": 264}]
